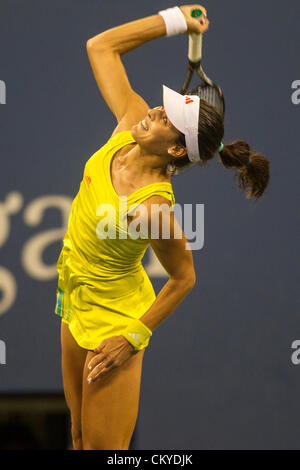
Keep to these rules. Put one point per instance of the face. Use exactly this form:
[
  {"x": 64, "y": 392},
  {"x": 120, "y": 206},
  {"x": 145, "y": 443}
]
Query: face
[{"x": 156, "y": 135}]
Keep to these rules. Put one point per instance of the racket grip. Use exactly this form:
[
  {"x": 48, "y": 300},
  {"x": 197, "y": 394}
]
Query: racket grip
[{"x": 195, "y": 47}]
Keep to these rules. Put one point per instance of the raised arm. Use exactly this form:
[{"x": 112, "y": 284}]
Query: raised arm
[{"x": 105, "y": 51}]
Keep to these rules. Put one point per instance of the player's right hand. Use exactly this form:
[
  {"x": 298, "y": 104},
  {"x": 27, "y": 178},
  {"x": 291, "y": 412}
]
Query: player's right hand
[{"x": 195, "y": 25}]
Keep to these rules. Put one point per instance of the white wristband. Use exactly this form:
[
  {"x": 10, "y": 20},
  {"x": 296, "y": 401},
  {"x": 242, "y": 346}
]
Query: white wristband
[
  {"x": 137, "y": 334},
  {"x": 174, "y": 20}
]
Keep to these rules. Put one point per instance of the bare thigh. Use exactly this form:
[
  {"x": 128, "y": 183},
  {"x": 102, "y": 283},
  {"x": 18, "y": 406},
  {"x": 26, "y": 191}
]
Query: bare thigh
[
  {"x": 110, "y": 405},
  {"x": 73, "y": 361}
]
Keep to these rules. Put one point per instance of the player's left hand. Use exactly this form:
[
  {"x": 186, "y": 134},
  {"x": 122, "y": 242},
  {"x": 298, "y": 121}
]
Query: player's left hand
[{"x": 111, "y": 353}]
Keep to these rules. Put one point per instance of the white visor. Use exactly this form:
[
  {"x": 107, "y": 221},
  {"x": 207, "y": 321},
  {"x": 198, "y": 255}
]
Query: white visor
[{"x": 183, "y": 112}]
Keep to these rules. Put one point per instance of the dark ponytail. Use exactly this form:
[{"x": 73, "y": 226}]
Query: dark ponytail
[{"x": 251, "y": 168}]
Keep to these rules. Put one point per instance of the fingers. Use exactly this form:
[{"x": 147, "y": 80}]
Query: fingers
[
  {"x": 197, "y": 7},
  {"x": 204, "y": 11},
  {"x": 203, "y": 20},
  {"x": 197, "y": 25},
  {"x": 111, "y": 353},
  {"x": 198, "y": 28},
  {"x": 98, "y": 372},
  {"x": 100, "y": 365},
  {"x": 99, "y": 348},
  {"x": 204, "y": 25},
  {"x": 96, "y": 360}
]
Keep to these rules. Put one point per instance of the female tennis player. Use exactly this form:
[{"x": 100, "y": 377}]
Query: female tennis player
[{"x": 108, "y": 306}]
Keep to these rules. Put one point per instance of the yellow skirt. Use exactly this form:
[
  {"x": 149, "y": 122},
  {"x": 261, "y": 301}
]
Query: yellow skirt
[{"x": 93, "y": 316}]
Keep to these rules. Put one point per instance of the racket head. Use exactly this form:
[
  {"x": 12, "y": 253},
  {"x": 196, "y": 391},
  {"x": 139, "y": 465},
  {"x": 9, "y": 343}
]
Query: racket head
[{"x": 212, "y": 94}]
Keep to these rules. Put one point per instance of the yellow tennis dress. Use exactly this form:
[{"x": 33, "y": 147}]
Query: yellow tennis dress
[{"x": 102, "y": 284}]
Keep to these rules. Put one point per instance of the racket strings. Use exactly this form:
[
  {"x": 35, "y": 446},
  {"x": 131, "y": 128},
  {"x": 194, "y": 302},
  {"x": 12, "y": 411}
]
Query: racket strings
[{"x": 211, "y": 95}]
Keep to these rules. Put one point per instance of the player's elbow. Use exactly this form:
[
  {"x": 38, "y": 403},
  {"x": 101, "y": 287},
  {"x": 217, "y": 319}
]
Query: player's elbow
[
  {"x": 188, "y": 281},
  {"x": 96, "y": 43},
  {"x": 100, "y": 43},
  {"x": 90, "y": 43},
  {"x": 191, "y": 279}
]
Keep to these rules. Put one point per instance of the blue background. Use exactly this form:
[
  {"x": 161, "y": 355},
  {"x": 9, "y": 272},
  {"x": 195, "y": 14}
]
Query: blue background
[{"x": 218, "y": 372}]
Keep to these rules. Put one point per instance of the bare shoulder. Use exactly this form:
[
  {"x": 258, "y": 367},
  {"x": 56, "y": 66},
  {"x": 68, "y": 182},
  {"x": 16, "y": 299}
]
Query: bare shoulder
[
  {"x": 157, "y": 202},
  {"x": 150, "y": 206},
  {"x": 156, "y": 214}
]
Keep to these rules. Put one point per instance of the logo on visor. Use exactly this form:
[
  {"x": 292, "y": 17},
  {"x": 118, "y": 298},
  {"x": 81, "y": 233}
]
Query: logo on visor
[{"x": 188, "y": 100}]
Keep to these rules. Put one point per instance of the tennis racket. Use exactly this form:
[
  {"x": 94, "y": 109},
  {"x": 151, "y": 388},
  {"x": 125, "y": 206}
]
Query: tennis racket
[{"x": 207, "y": 90}]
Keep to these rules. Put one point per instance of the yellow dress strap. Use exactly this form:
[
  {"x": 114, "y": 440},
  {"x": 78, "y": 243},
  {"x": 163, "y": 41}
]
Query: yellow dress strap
[
  {"x": 120, "y": 140},
  {"x": 155, "y": 189}
]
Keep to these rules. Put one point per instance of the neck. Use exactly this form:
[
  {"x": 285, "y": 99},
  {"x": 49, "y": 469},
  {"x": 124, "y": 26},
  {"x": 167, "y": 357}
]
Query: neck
[{"x": 142, "y": 165}]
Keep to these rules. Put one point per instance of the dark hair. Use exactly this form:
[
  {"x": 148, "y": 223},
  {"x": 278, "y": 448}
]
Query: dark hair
[{"x": 251, "y": 168}]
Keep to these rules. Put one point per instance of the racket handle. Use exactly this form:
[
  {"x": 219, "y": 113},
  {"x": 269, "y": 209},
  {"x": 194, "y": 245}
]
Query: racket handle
[
  {"x": 195, "y": 41},
  {"x": 195, "y": 47}
]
